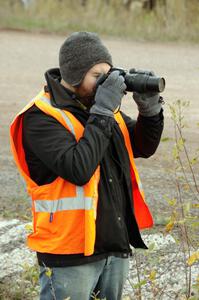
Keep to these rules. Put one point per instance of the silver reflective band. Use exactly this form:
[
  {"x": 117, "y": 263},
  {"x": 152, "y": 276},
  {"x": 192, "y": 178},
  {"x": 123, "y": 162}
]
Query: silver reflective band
[
  {"x": 140, "y": 186},
  {"x": 65, "y": 117},
  {"x": 68, "y": 203}
]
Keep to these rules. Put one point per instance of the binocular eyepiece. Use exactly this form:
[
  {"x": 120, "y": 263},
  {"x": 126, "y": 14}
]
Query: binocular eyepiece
[{"x": 138, "y": 80}]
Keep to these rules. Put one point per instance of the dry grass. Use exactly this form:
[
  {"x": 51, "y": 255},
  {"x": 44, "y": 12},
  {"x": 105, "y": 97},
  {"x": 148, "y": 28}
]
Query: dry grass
[{"x": 178, "y": 21}]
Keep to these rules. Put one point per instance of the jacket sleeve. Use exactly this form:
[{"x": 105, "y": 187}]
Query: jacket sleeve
[
  {"x": 145, "y": 133},
  {"x": 58, "y": 149}
]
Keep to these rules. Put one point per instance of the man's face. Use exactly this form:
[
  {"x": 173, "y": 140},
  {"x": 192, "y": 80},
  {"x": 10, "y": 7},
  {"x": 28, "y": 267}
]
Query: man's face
[{"x": 86, "y": 90}]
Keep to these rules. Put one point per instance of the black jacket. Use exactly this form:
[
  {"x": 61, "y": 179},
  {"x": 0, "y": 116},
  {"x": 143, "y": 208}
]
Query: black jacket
[{"x": 52, "y": 151}]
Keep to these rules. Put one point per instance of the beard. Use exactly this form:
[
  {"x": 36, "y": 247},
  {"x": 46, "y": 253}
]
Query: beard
[{"x": 87, "y": 100}]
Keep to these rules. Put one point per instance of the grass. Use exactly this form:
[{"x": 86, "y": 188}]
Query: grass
[
  {"x": 24, "y": 286},
  {"x": 111, "y": 19},
  {"x": 18, "y": 207}
]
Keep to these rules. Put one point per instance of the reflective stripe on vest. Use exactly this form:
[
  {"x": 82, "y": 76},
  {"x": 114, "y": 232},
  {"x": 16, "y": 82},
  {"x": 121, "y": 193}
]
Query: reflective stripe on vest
[
  {"x": 69, "y": 203},
  {"x": 65, "y": 117}
]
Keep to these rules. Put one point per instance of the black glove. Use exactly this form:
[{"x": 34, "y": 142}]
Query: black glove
[
  {"x": 149, "y": 104},
  {"x": 109, "y": 95}
]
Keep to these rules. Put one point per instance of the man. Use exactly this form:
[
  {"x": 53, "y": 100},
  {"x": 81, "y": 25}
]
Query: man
[{"x": 75, "y": 150}]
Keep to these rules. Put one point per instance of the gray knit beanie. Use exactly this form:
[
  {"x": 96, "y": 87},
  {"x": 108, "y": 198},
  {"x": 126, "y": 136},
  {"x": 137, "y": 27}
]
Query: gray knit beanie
[{"x": 79, "y": 53}]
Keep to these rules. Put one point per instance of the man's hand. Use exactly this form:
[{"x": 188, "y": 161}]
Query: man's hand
[
  {"x": 109, "y": 95},
  {"x": 149, "y": 104}
]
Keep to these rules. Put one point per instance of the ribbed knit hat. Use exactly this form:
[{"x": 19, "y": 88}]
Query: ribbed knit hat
[{"x": 79, "y": 53}]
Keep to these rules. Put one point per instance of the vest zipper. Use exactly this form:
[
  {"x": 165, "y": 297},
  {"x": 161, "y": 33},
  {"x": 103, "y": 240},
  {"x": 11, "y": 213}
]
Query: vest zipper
[{"x": 51, "y": 217}]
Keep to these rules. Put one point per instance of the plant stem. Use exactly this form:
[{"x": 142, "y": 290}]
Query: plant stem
[
  {"x": 138, "y": 276},
  {"x": 188, "y": 159}
]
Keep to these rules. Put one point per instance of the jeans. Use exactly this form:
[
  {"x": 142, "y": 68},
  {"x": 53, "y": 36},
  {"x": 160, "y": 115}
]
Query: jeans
[{"x": 103, "y": 279}]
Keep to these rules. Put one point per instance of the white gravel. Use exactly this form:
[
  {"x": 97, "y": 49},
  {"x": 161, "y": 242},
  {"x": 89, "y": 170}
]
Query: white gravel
[{"x": 164, "y": 260}]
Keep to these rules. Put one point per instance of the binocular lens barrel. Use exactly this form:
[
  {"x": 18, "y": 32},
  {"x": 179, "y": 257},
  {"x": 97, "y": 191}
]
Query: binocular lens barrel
[
  {"x": 143, "y": 83},
  {"x": 155, "y": 84}
]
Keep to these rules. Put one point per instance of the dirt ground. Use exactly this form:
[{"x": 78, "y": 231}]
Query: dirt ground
[{"x": 24, "y": 58}]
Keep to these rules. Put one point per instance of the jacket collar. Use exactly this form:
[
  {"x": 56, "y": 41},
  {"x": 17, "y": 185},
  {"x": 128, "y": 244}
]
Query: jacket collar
[{"x": 60, "y": 96}]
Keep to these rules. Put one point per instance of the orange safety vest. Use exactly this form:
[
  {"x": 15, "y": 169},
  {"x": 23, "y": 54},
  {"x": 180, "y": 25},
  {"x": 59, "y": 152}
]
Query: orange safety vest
[{"x": 64, "y": 214}]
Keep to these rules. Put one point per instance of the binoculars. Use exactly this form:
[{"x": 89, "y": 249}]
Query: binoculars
[{"x": 138, "y": 80}]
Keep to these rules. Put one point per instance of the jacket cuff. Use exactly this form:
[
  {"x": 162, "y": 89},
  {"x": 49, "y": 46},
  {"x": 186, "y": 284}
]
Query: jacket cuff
[{"x": 104, "y": 123}]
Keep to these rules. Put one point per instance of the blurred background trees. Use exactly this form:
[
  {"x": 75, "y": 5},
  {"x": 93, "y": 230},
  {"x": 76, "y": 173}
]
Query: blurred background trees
[{"x": 135, "y": 19}]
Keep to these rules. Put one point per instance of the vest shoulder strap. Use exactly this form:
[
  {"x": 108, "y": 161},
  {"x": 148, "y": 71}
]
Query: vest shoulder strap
[
  {"x": 124, "y": 129},
  {"x": 42, "y": 101},
  {"x": 125, "y": 132}
]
